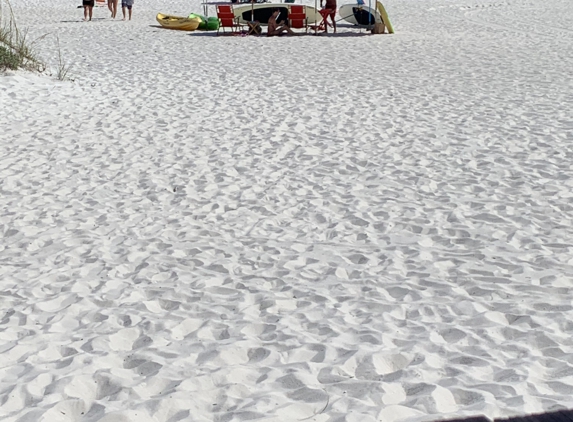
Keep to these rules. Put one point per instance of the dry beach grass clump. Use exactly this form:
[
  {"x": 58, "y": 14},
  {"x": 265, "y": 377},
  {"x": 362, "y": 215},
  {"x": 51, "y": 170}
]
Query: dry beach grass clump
[{"x": 16, "y": 51}]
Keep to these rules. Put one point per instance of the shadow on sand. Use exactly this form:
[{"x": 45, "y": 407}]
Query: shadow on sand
[
  {"x": 300, "y": 34},
  {"x": 358, "y": 32},
  {"x": 82, "y": 21}
]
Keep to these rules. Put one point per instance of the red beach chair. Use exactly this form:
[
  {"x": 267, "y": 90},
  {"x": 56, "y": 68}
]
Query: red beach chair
[
  {"x": 324, "y": 13},
  {"x": 297, "y": 17},
  {"x": 227, "y": 19}
]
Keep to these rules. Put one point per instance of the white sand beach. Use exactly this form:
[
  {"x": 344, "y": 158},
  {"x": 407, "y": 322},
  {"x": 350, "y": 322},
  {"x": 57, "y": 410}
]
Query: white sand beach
[{"x": 334, "y": 228}]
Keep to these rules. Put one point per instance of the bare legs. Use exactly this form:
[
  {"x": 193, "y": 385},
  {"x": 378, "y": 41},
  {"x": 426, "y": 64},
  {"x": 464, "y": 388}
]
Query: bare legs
[
  {"x": 88, "y": 12},
  {"x": 284, "y": 28},
  {"x": 280, "y": 29},
  {"x": 123, "y": 10},
  {"x": 112, "y": 6}
]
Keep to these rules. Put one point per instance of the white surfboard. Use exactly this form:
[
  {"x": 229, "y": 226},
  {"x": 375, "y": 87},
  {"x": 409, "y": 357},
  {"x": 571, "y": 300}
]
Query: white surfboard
[
  {"x": 263, "y": 11},
  {"x": 360, "y": 14}
]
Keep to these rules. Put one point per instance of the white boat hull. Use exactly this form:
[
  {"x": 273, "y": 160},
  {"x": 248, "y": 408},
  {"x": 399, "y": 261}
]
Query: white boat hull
[{"x": 263, "y": 11}]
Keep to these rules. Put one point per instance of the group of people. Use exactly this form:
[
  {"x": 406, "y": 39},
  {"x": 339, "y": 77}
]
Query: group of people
[
  {"x": 126, "y": 6},
  {"x": 274, "y": 27},
  {"x": 278, "y": 28}
]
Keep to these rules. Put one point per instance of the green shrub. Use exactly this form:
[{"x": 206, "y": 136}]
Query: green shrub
[{"x": 8, "y": 59}]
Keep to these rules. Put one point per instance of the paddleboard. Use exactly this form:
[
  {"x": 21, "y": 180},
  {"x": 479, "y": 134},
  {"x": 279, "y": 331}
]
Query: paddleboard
[
  {"x": 263, "y": 11},
  {"x": 363, "y": 16},
  {"x": 359, "y": 15},
  {"x": 385, "y": 17}
]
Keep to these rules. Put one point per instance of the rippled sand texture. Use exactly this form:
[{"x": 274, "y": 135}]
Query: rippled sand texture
[{"x": 350, "y": 228}]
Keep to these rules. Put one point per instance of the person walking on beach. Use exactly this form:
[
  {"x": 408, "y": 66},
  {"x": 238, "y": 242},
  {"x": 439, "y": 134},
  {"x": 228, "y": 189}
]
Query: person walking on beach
[
  {"x": 88, "y": 9},
  {"x": 126, "y": 4},
  {"x": 330, "y": 5},
  {"x": 275, "y": 28},
  {"x": 112, "y": 6}
]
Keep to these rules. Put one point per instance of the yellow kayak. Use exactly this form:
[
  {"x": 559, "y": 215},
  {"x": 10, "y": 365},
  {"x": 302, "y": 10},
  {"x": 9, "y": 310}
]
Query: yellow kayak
[{"x": 178, "y": 22}]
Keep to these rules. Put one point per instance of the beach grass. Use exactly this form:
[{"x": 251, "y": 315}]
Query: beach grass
[
  {"x": 63, "y": 68},
  {"x": 16, "y": 51}
]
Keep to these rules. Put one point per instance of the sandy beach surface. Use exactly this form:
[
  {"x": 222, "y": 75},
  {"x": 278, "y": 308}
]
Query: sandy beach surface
[{"x": 319, "y": 228}]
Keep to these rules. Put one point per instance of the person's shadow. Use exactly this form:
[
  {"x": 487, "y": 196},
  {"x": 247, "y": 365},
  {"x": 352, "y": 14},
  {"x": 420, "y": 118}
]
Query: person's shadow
[{"x": 76, "y": 21}]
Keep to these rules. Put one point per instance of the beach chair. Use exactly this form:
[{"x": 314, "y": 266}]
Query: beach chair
[
  {"x": 228, "y": 20},
  {"x": 322, "y": 25},
  {"x": 297, "y": 17}
]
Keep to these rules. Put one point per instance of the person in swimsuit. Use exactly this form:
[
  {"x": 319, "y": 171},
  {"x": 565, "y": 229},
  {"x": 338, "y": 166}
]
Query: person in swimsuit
[
  {"x": 88, "y": 9},
  {"x": 275, "y": 28},
  {"x": 126, "y": 4},
  {"x": 331, "y": 6},
  {"x": 112, "y": 6}
]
